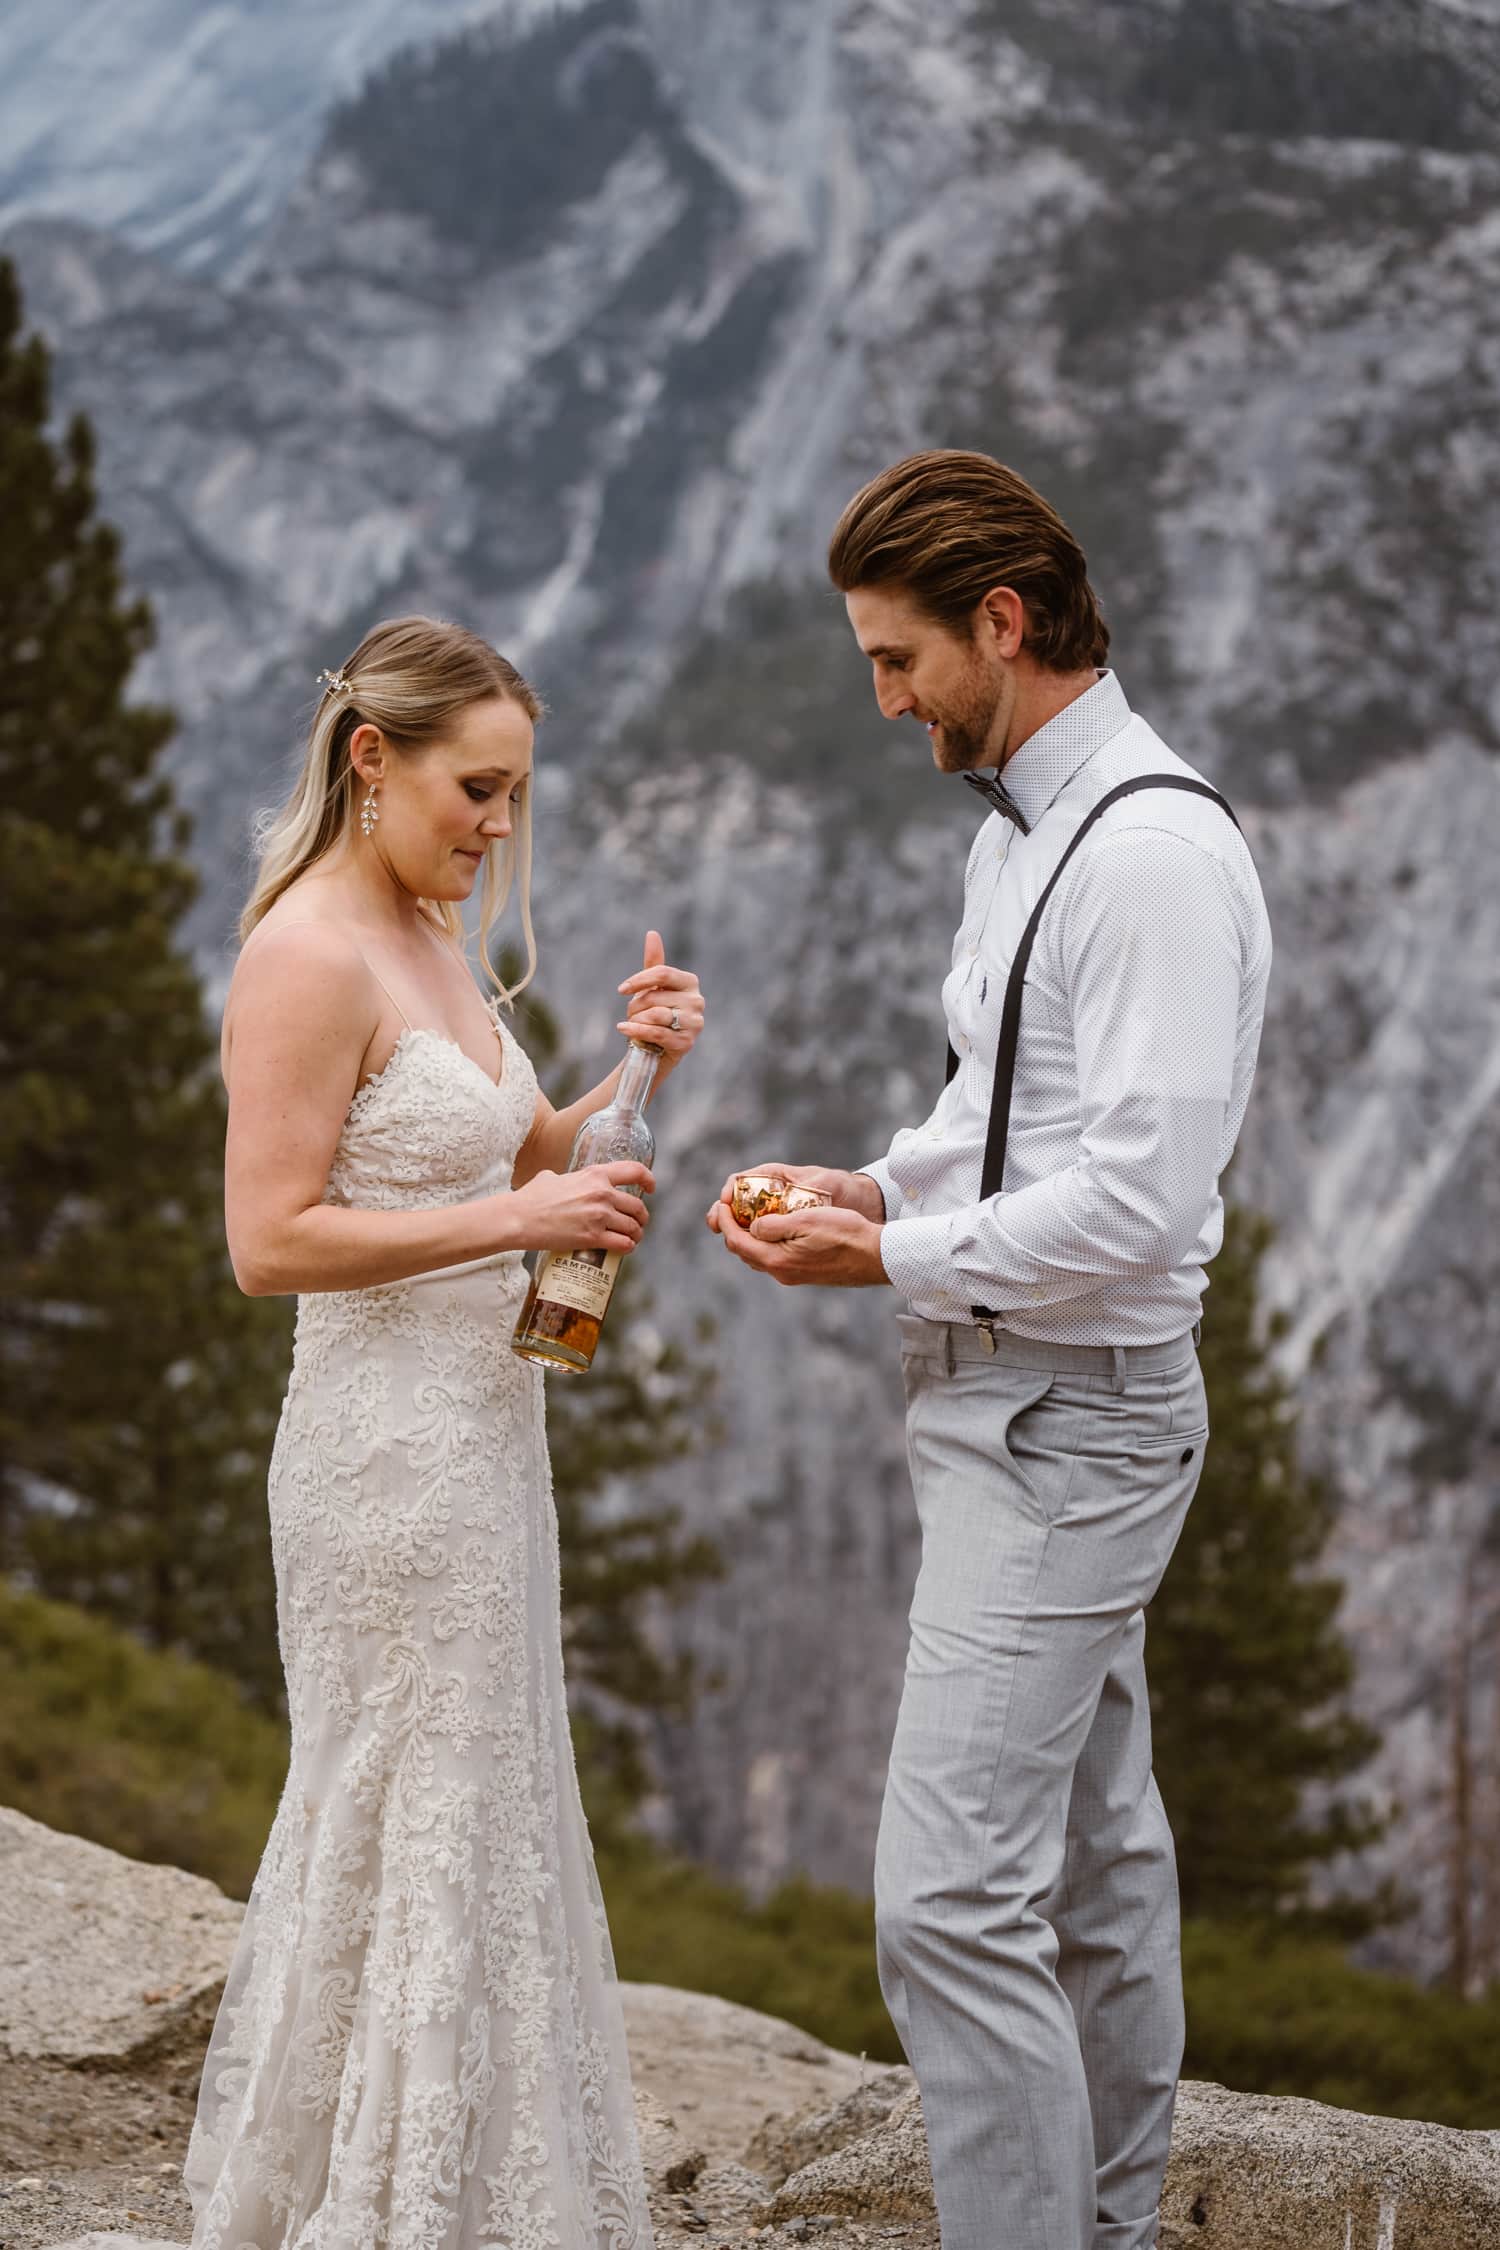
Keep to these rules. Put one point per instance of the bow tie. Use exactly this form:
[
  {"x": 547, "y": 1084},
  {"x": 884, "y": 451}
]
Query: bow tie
[{"x": 989, "y": 787}]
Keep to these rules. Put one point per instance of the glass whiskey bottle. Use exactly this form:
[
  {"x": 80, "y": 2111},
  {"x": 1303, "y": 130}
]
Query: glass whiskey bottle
[{"x": 570, "y": 1289}]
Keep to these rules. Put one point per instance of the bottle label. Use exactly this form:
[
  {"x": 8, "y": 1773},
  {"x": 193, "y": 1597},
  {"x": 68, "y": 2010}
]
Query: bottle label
[{"x": 580, "y": 1280}]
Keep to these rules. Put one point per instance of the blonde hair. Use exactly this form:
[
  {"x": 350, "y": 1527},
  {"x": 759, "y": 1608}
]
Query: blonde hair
[{"x": 411, "y": 677}]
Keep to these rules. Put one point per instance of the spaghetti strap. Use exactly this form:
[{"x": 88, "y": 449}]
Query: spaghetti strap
[
  {"x": 312, "y": 921},
  {"x": 385, "y": 988}
]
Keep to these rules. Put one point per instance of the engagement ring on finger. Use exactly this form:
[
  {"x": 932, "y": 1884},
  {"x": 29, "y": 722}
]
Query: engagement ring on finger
[{"x": 676, "y": 1020}]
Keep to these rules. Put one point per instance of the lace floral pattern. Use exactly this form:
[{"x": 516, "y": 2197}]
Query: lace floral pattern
[{"x": 420, "y": 2045}]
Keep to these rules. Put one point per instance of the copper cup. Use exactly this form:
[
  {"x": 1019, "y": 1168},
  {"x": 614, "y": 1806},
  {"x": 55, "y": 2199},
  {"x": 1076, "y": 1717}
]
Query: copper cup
[{"x": 762, "y": 1195}]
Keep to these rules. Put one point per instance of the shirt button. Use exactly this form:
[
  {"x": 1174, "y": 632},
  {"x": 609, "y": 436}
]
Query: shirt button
[
  {"x": 973, "y": 953},
  {"x": 913, "y": 1200}
]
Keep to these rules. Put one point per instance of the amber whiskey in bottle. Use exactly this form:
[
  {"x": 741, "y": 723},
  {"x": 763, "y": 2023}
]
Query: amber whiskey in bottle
[{"x": 570, "y": 1290}]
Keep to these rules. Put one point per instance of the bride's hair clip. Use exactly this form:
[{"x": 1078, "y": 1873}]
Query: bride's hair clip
[{"x": 336, "y": 683}]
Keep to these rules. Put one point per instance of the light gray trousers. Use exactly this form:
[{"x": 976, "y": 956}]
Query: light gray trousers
[{"x": 1025, "y": 1881}]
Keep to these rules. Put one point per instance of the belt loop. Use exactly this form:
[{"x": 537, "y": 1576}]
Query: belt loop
[
  {"x": 1197, "y": 1333},
  {"x": 1117, "y": 1380},
  {"x": 948, "y": 1346}
]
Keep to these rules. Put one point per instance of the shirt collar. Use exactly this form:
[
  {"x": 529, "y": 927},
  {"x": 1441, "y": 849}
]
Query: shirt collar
[{"x": 1047, "y": 760}]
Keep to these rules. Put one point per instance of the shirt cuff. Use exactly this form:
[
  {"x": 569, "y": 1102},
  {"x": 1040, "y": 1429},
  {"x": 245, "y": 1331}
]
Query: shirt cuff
[
  {"x": 880, "y": 1173},
  {"x": 918, "y": 1255}
]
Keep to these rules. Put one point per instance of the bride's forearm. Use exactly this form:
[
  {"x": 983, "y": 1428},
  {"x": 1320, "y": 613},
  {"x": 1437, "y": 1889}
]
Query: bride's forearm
[
  {"x": 334, "y": 1247},
  {"x": 550, "y": 1146}
]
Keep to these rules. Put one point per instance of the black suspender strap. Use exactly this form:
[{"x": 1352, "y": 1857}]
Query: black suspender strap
[{"x": 993, "y": 1175}]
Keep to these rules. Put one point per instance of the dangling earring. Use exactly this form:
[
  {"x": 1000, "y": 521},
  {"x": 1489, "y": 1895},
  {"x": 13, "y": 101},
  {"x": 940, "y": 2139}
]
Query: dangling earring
[{"x": 369, "y": 812}]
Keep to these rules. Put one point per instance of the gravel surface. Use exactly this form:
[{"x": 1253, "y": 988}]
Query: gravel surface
[
  {"x": 84, "y": 2151},
  {"x": 44, "y": 2212},
  {"x": 40, "y": 2210},
  {"x": 90, "y": 2152}
]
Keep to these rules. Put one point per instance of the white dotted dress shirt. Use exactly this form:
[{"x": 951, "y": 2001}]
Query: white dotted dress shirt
[{"x": 1139, "y": 1032}]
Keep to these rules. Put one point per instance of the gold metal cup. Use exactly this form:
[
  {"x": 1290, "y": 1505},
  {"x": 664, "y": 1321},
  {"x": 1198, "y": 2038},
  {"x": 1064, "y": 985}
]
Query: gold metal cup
[{"x": 763, "y": 1195}]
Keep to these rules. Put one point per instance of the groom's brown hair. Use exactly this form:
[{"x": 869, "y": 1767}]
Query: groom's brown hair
[{"x": 947, "y": 526}]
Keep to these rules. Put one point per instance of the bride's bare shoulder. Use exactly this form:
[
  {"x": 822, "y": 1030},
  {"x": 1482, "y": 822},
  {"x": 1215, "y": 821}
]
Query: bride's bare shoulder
[
  {"x": 305, "y": 974},
  {"x": 297, "y": 949}
]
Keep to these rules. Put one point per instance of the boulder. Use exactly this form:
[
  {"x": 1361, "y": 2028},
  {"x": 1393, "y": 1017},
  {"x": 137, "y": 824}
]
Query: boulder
[
  {"x": 730, "y": 2195},
  {"x": 719, "y": 2069},
  {"x": 882, "y": 2173},
  {"x": 683, "y": 2187},
  {"x": 105, "y": 1963},
  {"x": 1267, "y": 2172},
  {"x": 1247, "y": 2172},
  {"x": 786, "y": 2144},
  {"x": 672, "y": 2162}
]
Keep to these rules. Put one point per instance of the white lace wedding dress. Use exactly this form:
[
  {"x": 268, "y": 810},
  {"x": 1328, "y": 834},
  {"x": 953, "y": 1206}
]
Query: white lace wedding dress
[{"x": 420, "y": 2046}]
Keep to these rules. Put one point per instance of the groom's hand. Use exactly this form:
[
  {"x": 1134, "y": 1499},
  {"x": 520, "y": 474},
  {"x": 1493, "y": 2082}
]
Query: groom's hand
[
  {"x": 850, "y": 1191},
  {"x": 829, "y": 1248}
]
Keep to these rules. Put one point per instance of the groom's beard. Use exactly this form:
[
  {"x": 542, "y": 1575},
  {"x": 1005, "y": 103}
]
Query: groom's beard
[{"x": 962, "y": 740}]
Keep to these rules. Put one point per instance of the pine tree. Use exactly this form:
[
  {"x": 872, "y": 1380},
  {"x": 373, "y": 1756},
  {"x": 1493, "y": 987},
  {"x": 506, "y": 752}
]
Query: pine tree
[
  {"x": 1249, "y": 1674},
  {"x": 138, "y": 1389}
]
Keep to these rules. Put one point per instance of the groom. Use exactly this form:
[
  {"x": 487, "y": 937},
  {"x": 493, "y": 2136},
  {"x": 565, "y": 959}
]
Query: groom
[{"x": 1048, "y": 1225}]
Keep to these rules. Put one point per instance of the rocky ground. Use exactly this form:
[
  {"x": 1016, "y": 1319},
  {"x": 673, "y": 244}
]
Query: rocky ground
[
  {"x": 752, "y": 2132},
  {"x": 93, "y": 2158},
  {"x": 91, "y": 2153}
]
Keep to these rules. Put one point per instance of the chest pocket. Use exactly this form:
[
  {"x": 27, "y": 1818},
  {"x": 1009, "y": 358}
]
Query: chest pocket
[{"x": 1000, "y": 934}]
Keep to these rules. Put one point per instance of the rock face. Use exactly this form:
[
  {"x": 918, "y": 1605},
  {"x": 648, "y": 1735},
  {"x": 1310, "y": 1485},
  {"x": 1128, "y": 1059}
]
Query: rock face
[
  {"x": 200, "y": 84},
  {"x": 593, "y": 360}
]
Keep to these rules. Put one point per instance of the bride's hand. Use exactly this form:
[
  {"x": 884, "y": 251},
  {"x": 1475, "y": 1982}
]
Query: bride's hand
[
  {"x": 661, "y": 997},
  {"x": 597, "y": 1208}
]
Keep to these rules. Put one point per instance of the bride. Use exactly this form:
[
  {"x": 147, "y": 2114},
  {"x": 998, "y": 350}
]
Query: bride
[{"x": 420, "y": 2043}]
